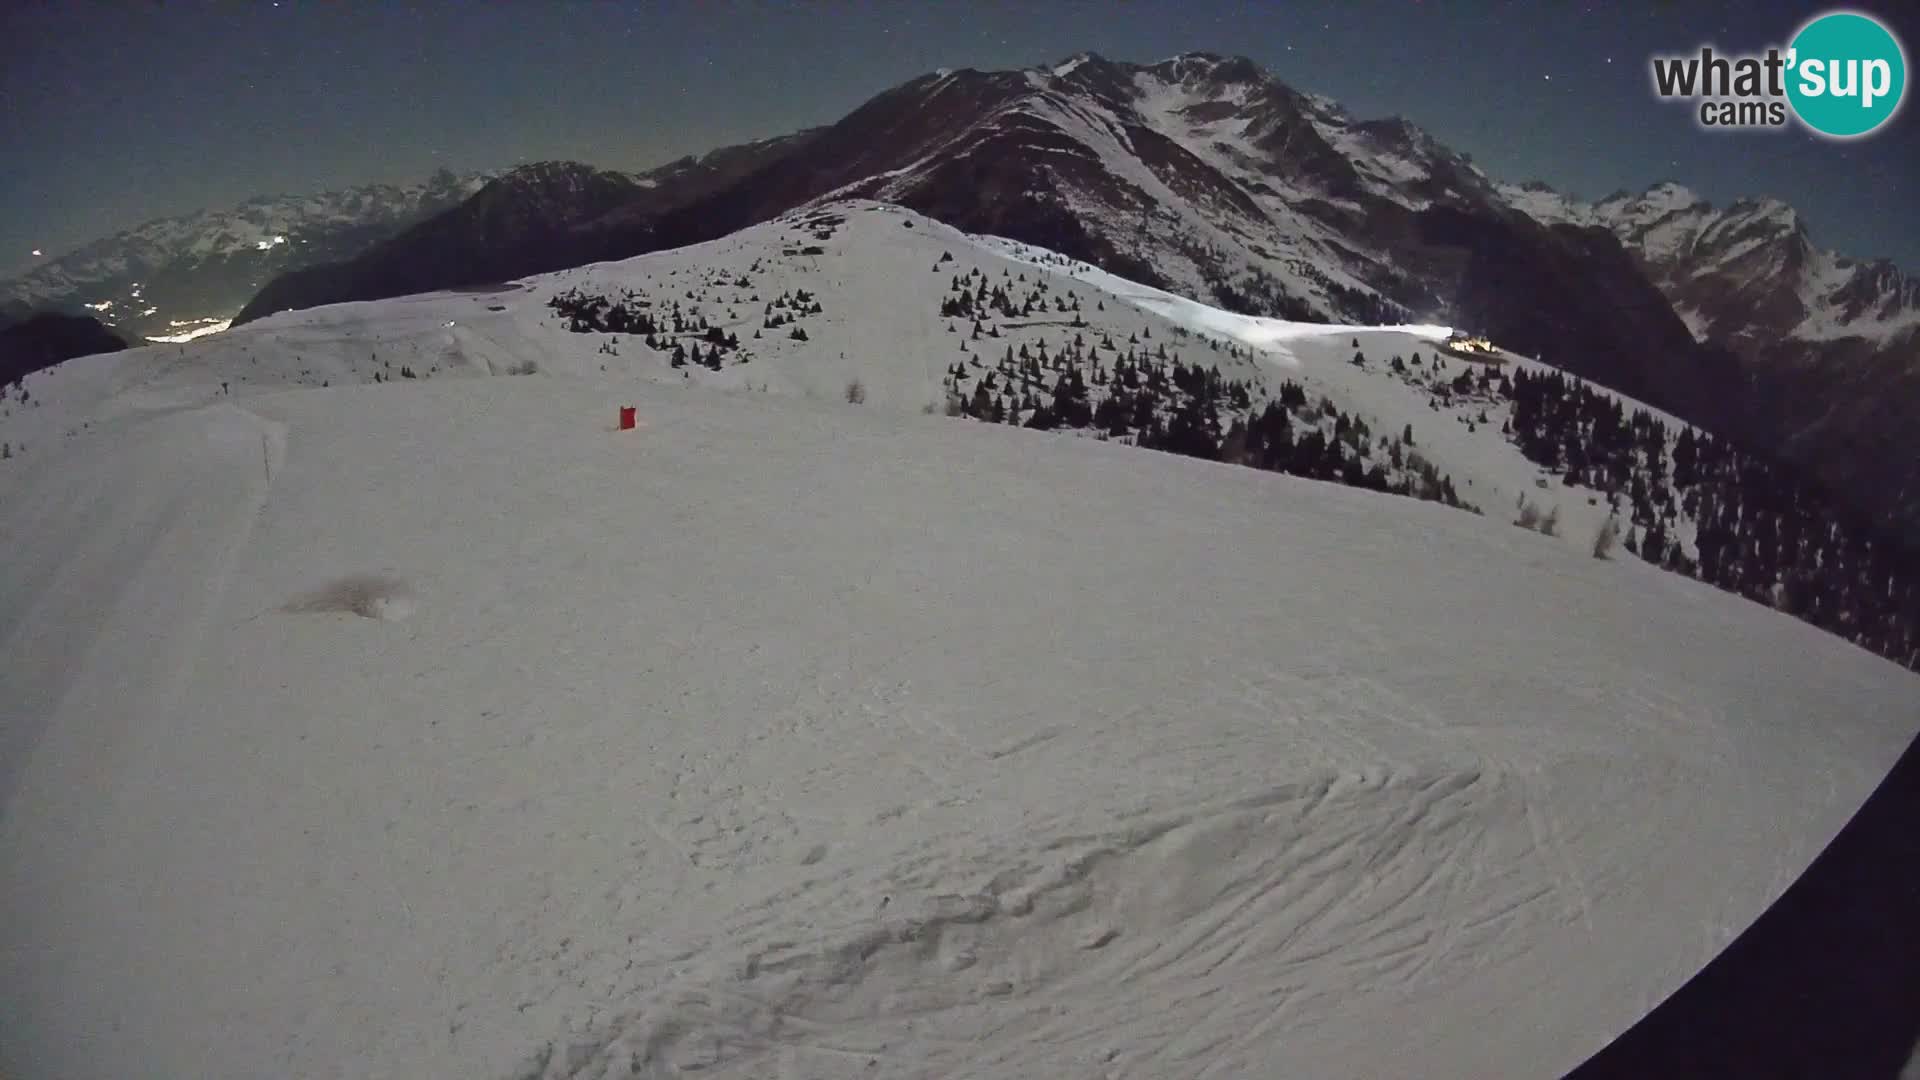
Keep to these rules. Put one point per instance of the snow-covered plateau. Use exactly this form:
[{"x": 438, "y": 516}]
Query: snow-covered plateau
[{"x": 438, "y": 728}]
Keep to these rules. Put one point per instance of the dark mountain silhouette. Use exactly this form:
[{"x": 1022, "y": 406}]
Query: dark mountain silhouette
[
  {"x": 13, "y": 311},
  {"x": 42, "y": 340},
  {"x": 514, "y": 225}
]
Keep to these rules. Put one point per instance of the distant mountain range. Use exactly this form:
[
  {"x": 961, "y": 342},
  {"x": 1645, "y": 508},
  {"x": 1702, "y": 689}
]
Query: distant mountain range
[
  {"x": 1207, "y": 176},
  {"x": 180, "y": 273},
  {"x": 1747, "y": 274},
  {"x": 531, "y": 219}
]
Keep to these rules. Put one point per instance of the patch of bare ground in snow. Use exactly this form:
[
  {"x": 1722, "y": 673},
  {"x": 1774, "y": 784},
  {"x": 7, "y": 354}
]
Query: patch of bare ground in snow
[{"x": 371, "y": 596}]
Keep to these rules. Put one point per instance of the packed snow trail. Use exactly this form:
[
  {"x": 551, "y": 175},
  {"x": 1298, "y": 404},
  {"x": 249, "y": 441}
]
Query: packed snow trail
[
  {"x": 1257, "y": 331},
  {"x": 106, "y": 548},
  {"x": 786, "y": 737}
]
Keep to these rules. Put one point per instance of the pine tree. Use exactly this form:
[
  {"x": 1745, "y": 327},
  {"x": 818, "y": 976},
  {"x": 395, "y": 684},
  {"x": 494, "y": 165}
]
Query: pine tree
[
  {"x": 982, "y": 402},
  {"x": 1233, "y": 448}
]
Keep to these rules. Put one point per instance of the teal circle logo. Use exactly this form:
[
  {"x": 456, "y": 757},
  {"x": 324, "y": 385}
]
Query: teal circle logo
[{"x": 1846, "y": 74}]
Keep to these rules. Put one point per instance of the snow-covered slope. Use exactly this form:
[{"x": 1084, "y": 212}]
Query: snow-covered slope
[
  {"x": 879, "y": 275},
  {"x": 441, "y": 729},
  {"x": 785, "y": 736}
]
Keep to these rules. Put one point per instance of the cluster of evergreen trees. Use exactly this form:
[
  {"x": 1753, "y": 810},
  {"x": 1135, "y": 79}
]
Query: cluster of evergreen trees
[
  {"x": 822, "y": 224},
  {"x": 686, "y": 335},
  {"x": 590, "y": 313},
  {"x": 1139, "y": 392},
  {"x": 970, "y": 297},
  {"x": 789, "y": 307},
  {"x": 1178, "y": 408},
  {"x": 1257, "y": 292},
  {"x": 1347, "y": 453},
  {"x": 1197, "y": 412},
  {"x": 1759, "y": 530},
  {"x": 686, "y": 352},
  {"x": 1365, "y": 307}
]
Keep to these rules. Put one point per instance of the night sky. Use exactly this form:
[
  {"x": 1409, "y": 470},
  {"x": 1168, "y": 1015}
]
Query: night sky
[{"x": 114, "y": 114}]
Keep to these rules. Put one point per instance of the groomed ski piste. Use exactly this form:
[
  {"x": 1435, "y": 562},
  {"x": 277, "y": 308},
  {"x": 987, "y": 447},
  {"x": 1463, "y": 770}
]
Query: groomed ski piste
[{"x": 442, "y": 729}]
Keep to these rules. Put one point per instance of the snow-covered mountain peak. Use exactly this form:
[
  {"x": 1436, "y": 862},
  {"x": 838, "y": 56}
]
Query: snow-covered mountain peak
[
  {"x": 1071, "y": 64},
  {"x": 1545, "y": 204},
  {"x": 1767, "y": 212},
  {"x": 1747, "y": 273},
  {"x": 1671, "y": 195},
  {"x": 1211, "y": 71},
  {"x": 1209, "y": 87},
  {"x": 558, "y": 177},
  {"x": 1661, "y": 202},
  {"x": 1326, "y": 106}
]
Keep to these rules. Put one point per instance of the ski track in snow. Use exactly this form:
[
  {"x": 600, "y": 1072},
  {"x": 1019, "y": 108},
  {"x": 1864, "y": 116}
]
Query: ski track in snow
[{"x": 782, "y": 737}]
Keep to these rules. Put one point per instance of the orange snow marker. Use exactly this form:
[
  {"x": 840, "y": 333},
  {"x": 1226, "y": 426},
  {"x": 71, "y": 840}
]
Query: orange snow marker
[{"x": 627, "y": 418}]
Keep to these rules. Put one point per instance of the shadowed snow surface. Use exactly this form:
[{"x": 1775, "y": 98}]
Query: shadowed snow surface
[{"x": 779, "y": 737}]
